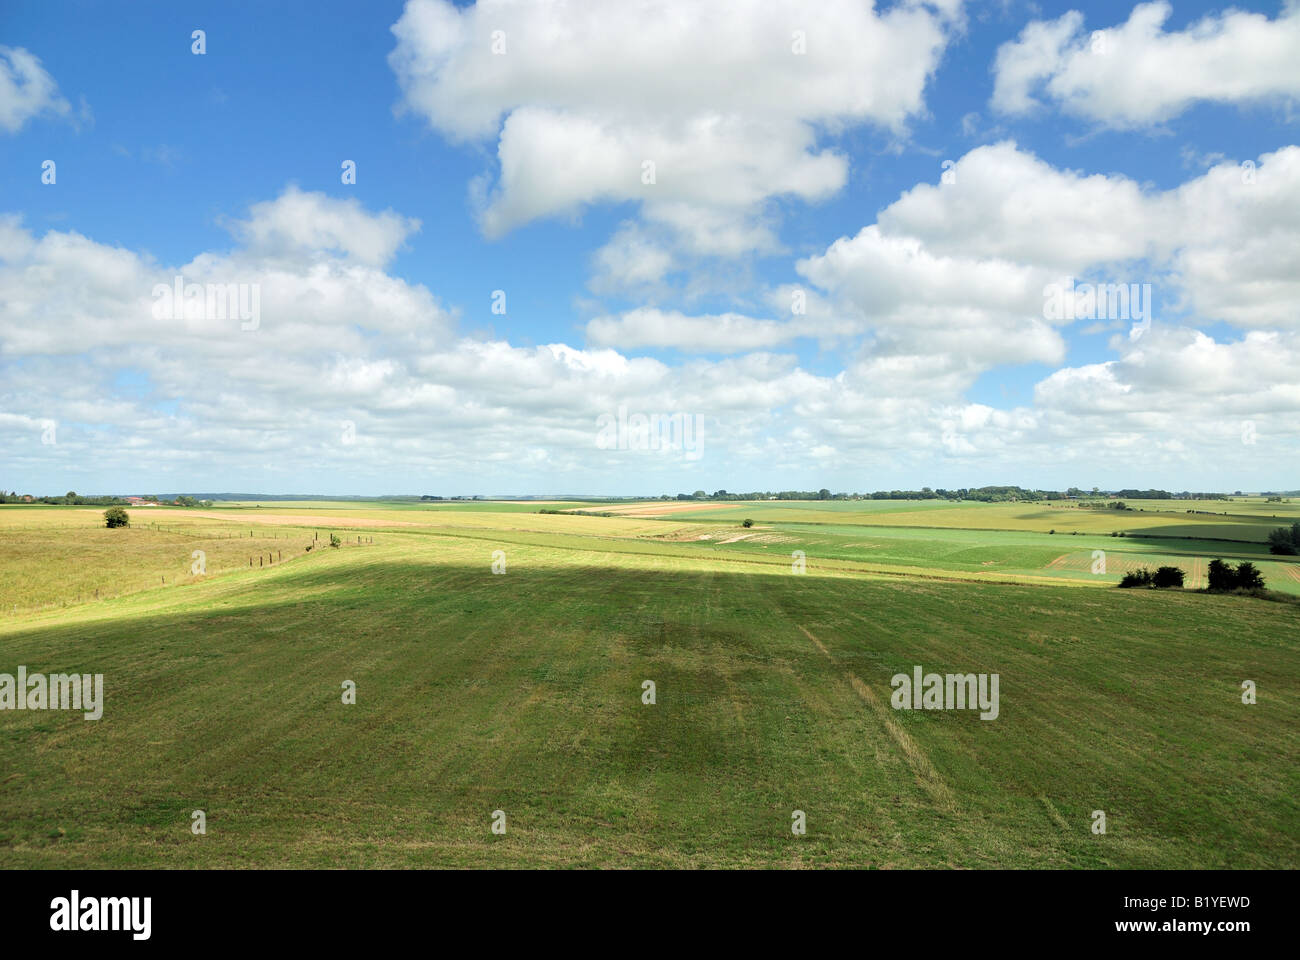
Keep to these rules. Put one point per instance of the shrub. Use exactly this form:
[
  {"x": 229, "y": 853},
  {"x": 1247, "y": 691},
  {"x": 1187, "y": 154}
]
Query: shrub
[
  {"x": 116, "y": 517},
  {"x": 1137, "y": 578},
  {"x": 1168, "y": 577},
  {"x": 335, "y": 541},
  {"x": 747, "y": 523},
  {"x": 1245, "y": 576}
]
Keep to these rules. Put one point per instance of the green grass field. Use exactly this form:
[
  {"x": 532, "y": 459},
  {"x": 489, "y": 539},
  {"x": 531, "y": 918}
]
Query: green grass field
[{"x": 522, "y": 692}]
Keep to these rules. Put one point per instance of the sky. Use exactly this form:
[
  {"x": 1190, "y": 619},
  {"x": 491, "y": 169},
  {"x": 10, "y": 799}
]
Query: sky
[{"x": 634, "y": 248}]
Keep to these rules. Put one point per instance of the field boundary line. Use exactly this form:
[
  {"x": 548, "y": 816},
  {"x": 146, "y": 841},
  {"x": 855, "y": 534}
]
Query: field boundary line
[{"x": 916, "y": 757}]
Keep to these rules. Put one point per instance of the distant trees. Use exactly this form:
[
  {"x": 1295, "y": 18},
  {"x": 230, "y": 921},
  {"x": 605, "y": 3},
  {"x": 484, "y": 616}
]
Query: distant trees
[
  {"x": 71, "y": 498},
  {"x": 1245, "y": 576},
  {"x": 116, "y": 517},
  {"x": 1285, "y": 540}
]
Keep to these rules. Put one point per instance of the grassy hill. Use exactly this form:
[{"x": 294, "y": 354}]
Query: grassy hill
[{"x": 522, "y": 692}]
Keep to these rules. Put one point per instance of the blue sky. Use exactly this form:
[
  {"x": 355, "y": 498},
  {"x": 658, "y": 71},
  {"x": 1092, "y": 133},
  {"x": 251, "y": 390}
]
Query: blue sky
[{"x": 168, "y": 160}]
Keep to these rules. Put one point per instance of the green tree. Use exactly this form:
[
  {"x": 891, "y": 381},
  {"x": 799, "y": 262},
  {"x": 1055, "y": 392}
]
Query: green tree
[
  {"x": 116, "y": 517},
  {"x": 1285, "y": 540},
  {"x": 1249, "y": 577},
  {"x": 1167, "y": 577},
  {"x": 1246, "y": 576},
  {"x": 1222, "y": 575}
]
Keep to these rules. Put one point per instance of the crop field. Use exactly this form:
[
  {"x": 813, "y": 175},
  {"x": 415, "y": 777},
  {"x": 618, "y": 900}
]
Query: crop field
[
  {"x": 1212, "y": 519},
  {"x": 499, "y": 657}
]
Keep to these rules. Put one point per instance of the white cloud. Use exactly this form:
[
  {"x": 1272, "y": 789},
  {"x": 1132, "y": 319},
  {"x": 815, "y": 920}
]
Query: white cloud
[
  {"x": 631, "y": 260},
  {"x": 341, "y": 339},
  {"x": 582, "y": 96},
  {"x": 296, "y": 222},
  {"x": 722, "y": 333},
  {"x": 1226, "y": 241},
  {"x": 1138, "y": 74},
  {"x": 26, "y": 89}
]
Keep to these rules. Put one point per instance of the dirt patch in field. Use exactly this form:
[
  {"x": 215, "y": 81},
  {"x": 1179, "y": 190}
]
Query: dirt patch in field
[{"x": 277, "y": 519}]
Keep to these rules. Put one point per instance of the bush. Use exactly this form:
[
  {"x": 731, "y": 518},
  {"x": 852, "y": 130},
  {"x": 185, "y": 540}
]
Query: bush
[
  {"x": 116, "y": 517},
  {"x": 1245, "y": 576},
  {"x": 1163, "y": 578},
  {"x": 1166, "y": 577},
  {"x": 1137, "y": 578},
  {"x": 747, "y": 523},
  {"x": 335, "y": 541}
]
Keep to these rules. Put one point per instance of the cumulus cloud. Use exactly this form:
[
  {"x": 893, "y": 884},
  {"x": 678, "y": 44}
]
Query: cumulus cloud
[
  {"x": 727, "y": 102},
  {"x": 298, "y": 222},
  {"x": 26, "y": 89},
  {"x": 342, "y": 340},
  {"x": 1138, "y": 74},
  {"x": 1008, "y": 223},
  {"x": 630, "y": 261}
]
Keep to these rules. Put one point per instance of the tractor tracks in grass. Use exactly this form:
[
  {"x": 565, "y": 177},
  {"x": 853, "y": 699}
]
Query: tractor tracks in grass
[{"x": 926, "y": 774}]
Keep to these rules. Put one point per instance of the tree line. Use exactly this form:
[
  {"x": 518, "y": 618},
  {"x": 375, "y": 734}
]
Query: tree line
[
  {"x": 72, "y": 498},
  {"x": 987, "y": 494}
]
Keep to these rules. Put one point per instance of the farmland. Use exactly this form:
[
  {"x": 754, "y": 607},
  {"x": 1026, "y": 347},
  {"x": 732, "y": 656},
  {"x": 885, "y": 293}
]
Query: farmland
[{"x": 521, "y": 691}]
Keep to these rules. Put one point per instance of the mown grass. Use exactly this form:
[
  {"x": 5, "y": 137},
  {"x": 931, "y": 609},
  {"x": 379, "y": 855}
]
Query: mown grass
[{"x": 522, "y": 692}]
